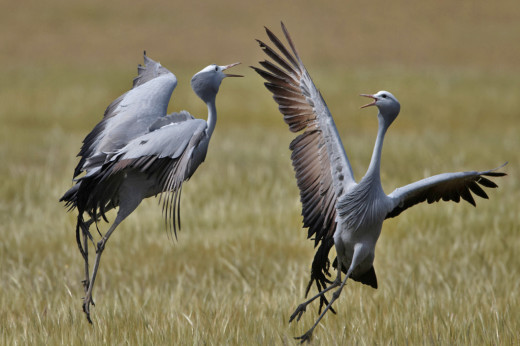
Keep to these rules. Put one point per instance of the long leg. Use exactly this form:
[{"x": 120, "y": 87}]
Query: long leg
[
  {"x": 130, "y": 201},
  {"x": 85, "y": 252},
  {"x": 307, "y": 336},
  {"x": 86, "y": 235},
  {"x": 303, "y": 306},
  {"x": 360, "y": 252},
  {"x": 100, "y": 247}
]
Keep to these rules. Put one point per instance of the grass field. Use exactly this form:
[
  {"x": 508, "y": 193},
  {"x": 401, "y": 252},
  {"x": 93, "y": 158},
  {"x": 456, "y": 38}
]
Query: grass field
[{"x": 448, "y": 273}]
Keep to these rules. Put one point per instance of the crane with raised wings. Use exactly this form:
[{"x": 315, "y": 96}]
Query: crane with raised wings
[
  {"x": 337, "y": 210},
  {"x": 137, "y": 151}
]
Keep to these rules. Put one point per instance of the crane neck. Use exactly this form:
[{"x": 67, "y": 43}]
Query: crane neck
[
  {"x": 374, "y": 168},
  {"x": 212, "y": 116}
]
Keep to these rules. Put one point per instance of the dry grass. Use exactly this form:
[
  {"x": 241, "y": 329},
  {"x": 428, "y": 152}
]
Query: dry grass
[{"x": 448, "y": 273}]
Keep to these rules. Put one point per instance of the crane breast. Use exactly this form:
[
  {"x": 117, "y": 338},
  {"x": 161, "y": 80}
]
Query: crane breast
[{"x": 362, "y": 206}]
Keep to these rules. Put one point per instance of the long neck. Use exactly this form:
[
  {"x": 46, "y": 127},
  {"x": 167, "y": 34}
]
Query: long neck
[
  {"x": 374, "y": 168},
  {"x": 212, "y": 116}
]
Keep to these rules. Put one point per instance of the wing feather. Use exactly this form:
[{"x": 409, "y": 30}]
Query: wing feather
[
  {"x": 129, "y": 116},
  {"x": 289, "y": 56},
  {"x": 278, "y": 71},
  {"x": 276, "y": 57},
  {"x": 486, "y": 182},
  {"x": 304, "y": 109},
  {"x": 165, "y": 155},
  {"x": 446, "y": 186},
  {"x": 477, "y": 190},
  {"x": 282, "y": 91}
]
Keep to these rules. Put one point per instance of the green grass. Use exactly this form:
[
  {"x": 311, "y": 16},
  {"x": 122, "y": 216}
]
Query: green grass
[{"x": 448, "y": 273}]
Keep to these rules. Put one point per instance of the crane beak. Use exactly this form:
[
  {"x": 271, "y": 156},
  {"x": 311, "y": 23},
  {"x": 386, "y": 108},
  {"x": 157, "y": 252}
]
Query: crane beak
[
  {"x": 373, "y": 103},
  {"x": 229, "y": 66}
]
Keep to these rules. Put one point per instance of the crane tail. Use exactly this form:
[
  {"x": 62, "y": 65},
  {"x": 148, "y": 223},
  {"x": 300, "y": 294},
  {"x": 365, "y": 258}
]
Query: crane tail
[
  {"x": 70, "y": 197},
  {"x": 368, "y": 278}
]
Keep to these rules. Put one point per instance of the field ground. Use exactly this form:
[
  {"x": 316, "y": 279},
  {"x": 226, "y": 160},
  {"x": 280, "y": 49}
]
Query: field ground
[{"x": 448, "y": 273}]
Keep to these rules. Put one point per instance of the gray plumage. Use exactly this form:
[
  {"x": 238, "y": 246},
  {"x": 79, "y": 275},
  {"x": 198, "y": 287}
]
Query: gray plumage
[
  {"x": 337, "y": 210},
  {"x": 137, "y": 151}
]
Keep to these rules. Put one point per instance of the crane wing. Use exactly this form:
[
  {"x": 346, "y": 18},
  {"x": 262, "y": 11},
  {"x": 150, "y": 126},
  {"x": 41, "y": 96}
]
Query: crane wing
[
  {"x": 168, "y": 141},
  {"x": 129, "y": 116},
  {"x": 322, "y": 169},
  {"x": 446, "y": 186},
  {"x": 166, "y": 155}
]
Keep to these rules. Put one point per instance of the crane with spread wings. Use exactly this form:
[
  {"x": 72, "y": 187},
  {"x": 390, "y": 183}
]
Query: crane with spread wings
[{"x": 337, "y": 210}]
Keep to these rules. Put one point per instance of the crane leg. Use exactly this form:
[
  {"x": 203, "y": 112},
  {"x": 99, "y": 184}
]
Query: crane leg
[
  {"x": 99, "y": 250},
  {"x": 360, "y": 253},
  {"x": 303, "y": 306},
  {"x": 127, "y": 206},
  {"x": 307, "y": 336},
  {"x": 86, "y": 235}
]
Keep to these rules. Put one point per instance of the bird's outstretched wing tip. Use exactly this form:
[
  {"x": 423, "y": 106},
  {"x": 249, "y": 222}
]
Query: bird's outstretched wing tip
[
  {"x": 503, "y": 165},
  {"x": 500, "y": 167},
  {"x": 284, "y": 28},
  {"x": 493, "y": 172}
]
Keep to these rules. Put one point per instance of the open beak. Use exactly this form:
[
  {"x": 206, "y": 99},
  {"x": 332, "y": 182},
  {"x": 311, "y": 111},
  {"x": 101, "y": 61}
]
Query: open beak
[
  {"x": 229, "y": 66},
  {"x": 373, "y": 103}
]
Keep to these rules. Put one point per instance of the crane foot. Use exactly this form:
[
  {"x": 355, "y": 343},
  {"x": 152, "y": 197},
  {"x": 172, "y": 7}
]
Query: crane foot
[
  {"x": 305, "y": 337},
  {"x": 298, "y": 313}
]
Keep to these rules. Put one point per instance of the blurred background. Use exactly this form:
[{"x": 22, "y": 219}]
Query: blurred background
[{"x": 454, "y": 66}]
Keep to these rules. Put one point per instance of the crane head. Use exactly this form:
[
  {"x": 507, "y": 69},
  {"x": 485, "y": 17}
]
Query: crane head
[
  {"x": 380, "y": 98},
  {"x": 206, "y": 82},
  {"x": 388, "y": 105}
]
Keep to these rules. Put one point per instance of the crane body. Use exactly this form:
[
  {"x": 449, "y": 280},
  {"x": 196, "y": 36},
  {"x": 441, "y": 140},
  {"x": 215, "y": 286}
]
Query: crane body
[
  {"x": 338, "y": 211},
  {"x": 138, "y": 151}
]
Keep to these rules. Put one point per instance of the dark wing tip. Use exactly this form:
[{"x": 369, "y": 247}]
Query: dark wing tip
[
  {"x": 477, "y": 190},
  {"x": 291, "y": 43},
  {"x": 286, "y": 32},
  {"x": 491, "y": 173},
  {"x": 495, "y": 174},
  {"x": 487, "y": 183}
]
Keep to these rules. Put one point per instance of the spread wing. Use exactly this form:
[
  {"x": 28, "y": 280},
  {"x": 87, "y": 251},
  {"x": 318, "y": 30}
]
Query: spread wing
[
  {"x": 129, "y": 116},
  {"x": 168, "y": 155},
  {"x": 322, "y": 169},
  {"x": 446, "y": 186}
]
